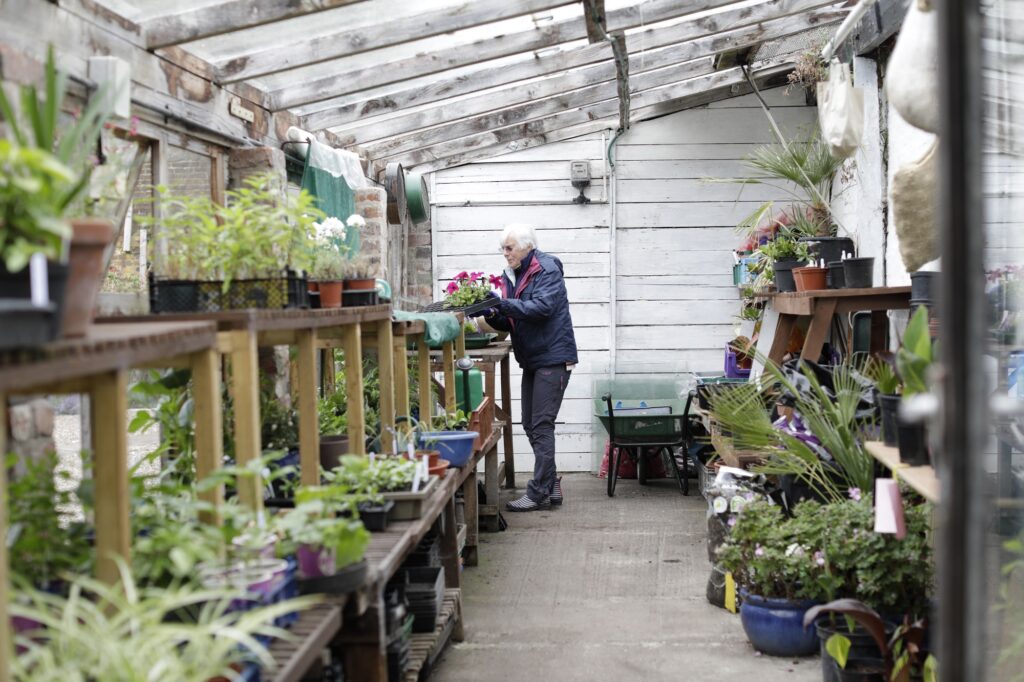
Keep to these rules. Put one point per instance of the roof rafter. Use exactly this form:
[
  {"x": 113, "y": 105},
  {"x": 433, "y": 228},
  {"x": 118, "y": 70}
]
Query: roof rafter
[
  {"x": 497, "y": 101},
  {"x": 647, "y": 104},
  {"x": 320, "y": 86},
  {"x": 394, "y": 31},
  {"x": 227, "y": 17},
  {"x": 351, "y": 109}
]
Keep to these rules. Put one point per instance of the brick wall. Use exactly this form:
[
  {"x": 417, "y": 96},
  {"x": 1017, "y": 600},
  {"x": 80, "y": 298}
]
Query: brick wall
[
  {"x": 371, "y": 204},
  {"x": 30, "y": 422}
]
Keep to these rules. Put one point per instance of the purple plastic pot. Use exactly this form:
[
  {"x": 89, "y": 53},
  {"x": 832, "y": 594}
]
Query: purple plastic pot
[{"x": 315, "y": 562}]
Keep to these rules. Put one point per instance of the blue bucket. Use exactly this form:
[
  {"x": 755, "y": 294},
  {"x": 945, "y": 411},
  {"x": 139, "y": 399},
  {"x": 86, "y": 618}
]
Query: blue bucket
[{"x": 454, "y": 446}]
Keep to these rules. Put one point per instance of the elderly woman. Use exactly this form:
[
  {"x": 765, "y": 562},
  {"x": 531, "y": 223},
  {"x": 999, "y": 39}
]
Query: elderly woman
[{"x": 535, "y": 308}]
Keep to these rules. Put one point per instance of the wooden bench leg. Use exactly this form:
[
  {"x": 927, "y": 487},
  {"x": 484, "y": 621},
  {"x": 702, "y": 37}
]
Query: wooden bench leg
[
  {"x": 209, "y": 427},
  {"x": 469, "y": 494},
  {"x": 109, "y": 396},
  {"x": 364, "y": 643},
  {"x": 489, "y": 520}
]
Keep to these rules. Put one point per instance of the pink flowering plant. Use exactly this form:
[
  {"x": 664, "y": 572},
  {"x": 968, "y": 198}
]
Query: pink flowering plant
[
  {"x": 468, "y": 288},
  {"x": 826, "y": 552}
]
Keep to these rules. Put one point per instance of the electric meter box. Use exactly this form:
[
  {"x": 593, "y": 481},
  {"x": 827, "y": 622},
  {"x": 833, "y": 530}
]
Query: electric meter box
[{"x": 579, "y": 173}]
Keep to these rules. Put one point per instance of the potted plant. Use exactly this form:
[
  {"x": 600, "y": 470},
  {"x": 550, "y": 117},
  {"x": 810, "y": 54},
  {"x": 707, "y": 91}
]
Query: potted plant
[
  {"x": 784, "y": 252},
  {"x": 450, "y": 438},
  {"x": 391, "y": 477},
  {"x": 360, "y": 283},
  {"x": 778, "y": 564},
  {"x": 335, "y": 242},
  {"x": 809, "y": 70},
  {"x": 913, "y": 360},
  {"x": 324, "y": 543},
  {"x": 468, "y": 288},
  {"x": 250, "y": 253},
  {"x": 39, "y": 128},
  {"x": 887, "y": 382},
  {"x": 332, "y": 412}
]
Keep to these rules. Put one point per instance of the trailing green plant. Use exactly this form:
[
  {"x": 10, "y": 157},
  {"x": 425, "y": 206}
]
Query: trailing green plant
[
  {"x": 133, "y": 633},
  {"x": 832, "y": 417},
  {"x": 915, "y": 355},
  {"x": 259, "y": 232},
  {"x": 43, "y": 543}
]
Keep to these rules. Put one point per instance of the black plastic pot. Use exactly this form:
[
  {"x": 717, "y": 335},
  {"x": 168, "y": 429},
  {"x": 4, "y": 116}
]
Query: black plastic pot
[
  {"x": 783, "y": 270},
  {"x": 862, "y": 648},
  {"x": 924, "y": 288},
  {"x": 862, "y": 670},
  {"x": 347, "y": 579},
  {"x": 18, "y": 285},
  {"x": 375, "y": 516},
  {"x": 835, "y": 278},
  {"x": 828, "y": 248},
  {"x": 913, "y": 444},
  {"x": 889, "y": 406},
  {"x": 859, "y": 273},
  {"x": 331, "y": 450},
  {"x": 23, "y": 325}
]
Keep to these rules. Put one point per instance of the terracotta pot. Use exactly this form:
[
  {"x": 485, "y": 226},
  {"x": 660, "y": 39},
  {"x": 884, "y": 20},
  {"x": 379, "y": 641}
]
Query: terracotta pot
[
  {"x": 810, "y": 278},
  {"x": 360, "y": 284},
  {"x": 313, "y": 286},
  {"x": 330, "y": 294},
  {"x": 90, "y": 238}
]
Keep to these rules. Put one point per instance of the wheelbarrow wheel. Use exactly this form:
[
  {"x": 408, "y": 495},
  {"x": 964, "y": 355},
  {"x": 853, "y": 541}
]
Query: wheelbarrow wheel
[
  {"x": 642, "y": 466},
  {"x": 614, "y": 455}
]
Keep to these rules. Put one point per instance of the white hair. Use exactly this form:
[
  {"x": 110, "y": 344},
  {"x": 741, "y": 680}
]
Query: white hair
[{"x": 523, "y": 234}]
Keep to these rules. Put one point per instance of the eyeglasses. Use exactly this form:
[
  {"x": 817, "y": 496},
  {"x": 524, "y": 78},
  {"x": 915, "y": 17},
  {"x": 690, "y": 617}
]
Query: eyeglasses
[{"x": 508, "y": 249}]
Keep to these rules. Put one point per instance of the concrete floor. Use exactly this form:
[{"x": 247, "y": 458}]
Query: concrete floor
[{"x": 603, "y": 589}]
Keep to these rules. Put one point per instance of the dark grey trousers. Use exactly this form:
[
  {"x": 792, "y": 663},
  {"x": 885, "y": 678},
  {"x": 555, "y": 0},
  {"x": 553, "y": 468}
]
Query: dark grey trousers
[{"x": 542, "y": 396}]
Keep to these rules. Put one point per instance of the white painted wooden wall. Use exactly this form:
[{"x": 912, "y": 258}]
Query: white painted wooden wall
[{"x": 674, "y": 237}]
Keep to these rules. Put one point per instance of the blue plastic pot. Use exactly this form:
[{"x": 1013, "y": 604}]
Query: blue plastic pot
[
  {"x": 454, "y": 446},
  {"x": 775, "y": 626}
]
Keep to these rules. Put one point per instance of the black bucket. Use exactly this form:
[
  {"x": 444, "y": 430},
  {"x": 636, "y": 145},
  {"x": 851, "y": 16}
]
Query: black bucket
[
  {"x": 859, "y": 272},
  {"x": 783, "y": 270},
  {"x": 835, "y": 278},
  {"x": 828, "y": 248},
  {"x": 889, "y": 406}
]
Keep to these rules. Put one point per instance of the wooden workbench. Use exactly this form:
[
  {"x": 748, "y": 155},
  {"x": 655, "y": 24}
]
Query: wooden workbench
[
  {"x": 821, "y": 305},
  {"x": 97, "y": 365}
]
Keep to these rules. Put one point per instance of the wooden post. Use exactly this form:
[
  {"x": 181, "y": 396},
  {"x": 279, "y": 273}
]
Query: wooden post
[
  {"x": 328, "y": 371},
  {"x": 460, "y": 343},
  {"x": 309, "y": 421},
  {"x": 351, "y": 344},
  {"x": 386, "y": 360},
  {"x": 364, "y": 640},
  {"x": 472, "y": 514},
  {"x": 423, "y": 366},
  {"x": 209, "y": 426},
  {"x": 819, "y": 328},
  {"x": 401, "y": 369},
  {"x": 109, "y": 394},
  {"x": 245, "y": 394},
  {"x": 448, "y": 362},
  {"x": 6, "y": 650},
  {"x": 506, "y": 406}
]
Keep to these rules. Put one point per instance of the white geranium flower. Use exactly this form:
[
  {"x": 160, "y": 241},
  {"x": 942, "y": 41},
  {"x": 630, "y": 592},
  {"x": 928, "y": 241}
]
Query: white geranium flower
[
  {"x": 355, "y": 220},
  {"x": 329, "y": 228}
]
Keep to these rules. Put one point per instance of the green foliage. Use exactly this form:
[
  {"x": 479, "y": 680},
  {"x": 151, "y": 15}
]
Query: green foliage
[
  {"x": 258, "y": 233},
  {"x": 915, "y": 355},
  {"x": 332, "y": 413},
  {"x": 838, "y": 647},
  {"x": 743, "y": 410},
  {"x": 32, "y": 182},
  {"x": 313, "y": 522},
  {"x": 384, "y": 474},
  {"x": 884, "y": 375},
  {"x": 451, "y": 421},
  {"x": 467, "y": 288},
  {"x": 43, "y": 544},
  {"x": 785, "y": 245},
  {"x": 173, "y": 418},
  {"x": 280, "y": 430},
  {"x": 132, "y": 633},
  {"x": 831, "y": 551}
]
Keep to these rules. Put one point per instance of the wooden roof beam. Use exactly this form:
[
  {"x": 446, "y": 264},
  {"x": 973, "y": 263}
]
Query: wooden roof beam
[
  {"x": 314, "y": 85},
  {"x": 647, "y": 104},
  {"x": 497, "y": 102},
  {"x": 390, "y": 31},
  {"x": 357, "y": 110}
]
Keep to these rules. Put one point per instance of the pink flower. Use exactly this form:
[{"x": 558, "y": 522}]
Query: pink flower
[
  {"x": 819, "y": 558},
  {"x": 495, "y": 281},
  {"x": 462, "y": 275},
  {"x": 474, "y": 276},
  {"x": 732, "y": 521},
  {"x": 452, "y": 287},
  {"x": 759, "y": 550},
  {"x": 854, "y": 494}
]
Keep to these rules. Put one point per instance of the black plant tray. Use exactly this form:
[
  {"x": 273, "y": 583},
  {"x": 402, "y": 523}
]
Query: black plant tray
[
  {"x": 479, "y": 306},
  {"x": 359, "y": 297},
  {"x": 23, "y": 325},
  {"x": 348, "y": 579},
  {"x": 375, "y": 517},
  {"x": 186, "y": 296}
]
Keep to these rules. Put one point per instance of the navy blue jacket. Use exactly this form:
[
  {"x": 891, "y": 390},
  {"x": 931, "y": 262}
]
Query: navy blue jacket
[{"x": 536, "y": 311}]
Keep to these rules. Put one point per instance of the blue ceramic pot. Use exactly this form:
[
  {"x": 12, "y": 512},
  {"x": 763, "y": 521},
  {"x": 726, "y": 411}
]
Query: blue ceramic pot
[{"x": 775, "y": 626}]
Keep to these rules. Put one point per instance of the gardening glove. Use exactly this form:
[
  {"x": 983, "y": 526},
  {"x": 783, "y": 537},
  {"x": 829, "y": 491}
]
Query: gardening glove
[{"x": 489, "y": 313}]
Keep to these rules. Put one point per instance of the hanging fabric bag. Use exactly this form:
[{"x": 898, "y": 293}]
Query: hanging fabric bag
[{"x": 841, "y": 111}]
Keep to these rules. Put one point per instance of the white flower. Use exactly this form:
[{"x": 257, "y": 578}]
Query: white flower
[
  {"x": 355, "y": 220},
  {"x": 329, "y": 228},
  {"x": 794, "y": 549}
]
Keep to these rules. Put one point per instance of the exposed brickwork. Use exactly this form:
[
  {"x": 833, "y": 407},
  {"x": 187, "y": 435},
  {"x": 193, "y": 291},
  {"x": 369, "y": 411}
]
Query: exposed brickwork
[
  {"x": 30, "y": 422},
  {"x": 371, "y": 204}
]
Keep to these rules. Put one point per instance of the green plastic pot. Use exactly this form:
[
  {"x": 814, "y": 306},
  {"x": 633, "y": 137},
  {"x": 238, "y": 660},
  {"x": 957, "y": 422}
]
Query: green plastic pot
[{"x": 416, "y": 197}]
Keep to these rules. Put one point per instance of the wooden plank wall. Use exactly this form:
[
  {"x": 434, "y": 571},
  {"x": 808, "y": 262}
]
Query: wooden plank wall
[{"x": 674, "y": 237}]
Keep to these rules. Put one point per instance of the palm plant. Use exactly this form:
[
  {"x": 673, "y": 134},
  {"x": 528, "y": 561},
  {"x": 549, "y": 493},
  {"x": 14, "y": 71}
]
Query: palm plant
[
  {"x": 124, "y": 632},
  {"x": 831, "y": 416}
]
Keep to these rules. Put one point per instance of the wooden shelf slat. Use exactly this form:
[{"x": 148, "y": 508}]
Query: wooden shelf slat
[
  {"x": 427, "y": 646},
  {"x": 315, "y": 630},
  {"x": 920, "y": 478}
]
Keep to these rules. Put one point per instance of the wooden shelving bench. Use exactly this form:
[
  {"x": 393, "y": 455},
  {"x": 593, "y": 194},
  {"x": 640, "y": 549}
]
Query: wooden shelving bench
[
  {"x": 314, "y": 631},
  {"x": 920, "y": 478},
  {"x": 427, "y": 646}
]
